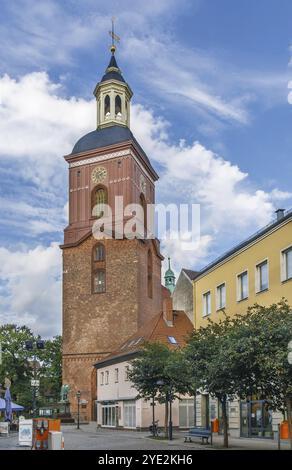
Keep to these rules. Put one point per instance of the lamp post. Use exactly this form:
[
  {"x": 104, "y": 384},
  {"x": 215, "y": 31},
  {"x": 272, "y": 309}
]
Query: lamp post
[
  {"x": 160, "y": 383},
  {"x": 78, "y": 395},
  {"x": 31, "y": 345}
]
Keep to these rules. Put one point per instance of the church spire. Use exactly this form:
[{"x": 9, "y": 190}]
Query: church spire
[
  {"x": 113, "y": 94},
  {"x": 169, "y": 278}
]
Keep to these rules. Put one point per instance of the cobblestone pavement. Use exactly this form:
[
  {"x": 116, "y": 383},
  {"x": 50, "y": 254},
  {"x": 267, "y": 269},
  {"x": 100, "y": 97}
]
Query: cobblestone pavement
[{"x": 91, "y": 438}]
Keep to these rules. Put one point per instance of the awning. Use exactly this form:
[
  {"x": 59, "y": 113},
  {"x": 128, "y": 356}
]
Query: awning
[{"x": 14, "y": 406}]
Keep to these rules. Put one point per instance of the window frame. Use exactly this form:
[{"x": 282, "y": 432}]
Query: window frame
[
  {"x": 95, "y": 271},
  {"x": 218, "y": 306},
  {"x": 205, "y": 313},
  {"x": 106, "y": 377},
  {"x": 283, "y": 260},
  {"x": 239, "y": 285},
  {"x": 258, "y": 266}
]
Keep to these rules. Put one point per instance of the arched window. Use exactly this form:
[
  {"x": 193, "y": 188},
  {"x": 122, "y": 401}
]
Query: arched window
[
  {"x": 98, "y": 197},
  {"x": 99, "y": 252},
  {"x": 107, "y": 106},
  {"x": 98, "y": 269},
  {"x": 149, "y": 274},
  {"x": 144, "y": 207},
  {"x": 118, "y": 106}
]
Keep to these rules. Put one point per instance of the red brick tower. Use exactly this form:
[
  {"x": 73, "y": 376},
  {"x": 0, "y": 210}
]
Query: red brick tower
[{"x": 110, "y": 286}]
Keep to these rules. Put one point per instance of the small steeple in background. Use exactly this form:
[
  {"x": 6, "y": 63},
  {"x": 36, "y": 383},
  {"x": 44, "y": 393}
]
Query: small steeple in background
[{"x": 169, "y": 278}]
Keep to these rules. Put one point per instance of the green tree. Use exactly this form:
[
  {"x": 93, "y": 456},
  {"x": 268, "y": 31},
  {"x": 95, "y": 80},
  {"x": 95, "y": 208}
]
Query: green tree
[
  {"x": 17, "y": 364},
  {"x": 158, "y": 374},
  {"x": 208, "y": 354},
  {"x": 263, "y": 335},
  {"x": 243, "y": 356}
]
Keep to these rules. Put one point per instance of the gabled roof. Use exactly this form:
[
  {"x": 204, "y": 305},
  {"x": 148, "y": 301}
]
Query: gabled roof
[
  {"x": 191, "y": 274},
  {"x": 156, "y": 330},
  {"x": 287, "y": 216}
]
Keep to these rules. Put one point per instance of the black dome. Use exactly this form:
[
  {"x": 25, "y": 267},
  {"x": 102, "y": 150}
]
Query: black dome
[{"x": 105, "y": 137}]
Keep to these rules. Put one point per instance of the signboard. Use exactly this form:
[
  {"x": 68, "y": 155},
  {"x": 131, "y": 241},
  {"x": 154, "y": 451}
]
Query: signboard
[
  {"x": 35, "y": 383},
  {"x": 4, "y": 428},
  {"x": 25, "y": 432}
]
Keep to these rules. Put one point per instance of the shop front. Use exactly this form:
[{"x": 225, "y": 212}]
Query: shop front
[{"x": 256, "y": 418}]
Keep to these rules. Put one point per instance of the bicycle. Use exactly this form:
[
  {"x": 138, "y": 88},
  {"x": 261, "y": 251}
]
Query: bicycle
[{"x": 155, "y": 430}]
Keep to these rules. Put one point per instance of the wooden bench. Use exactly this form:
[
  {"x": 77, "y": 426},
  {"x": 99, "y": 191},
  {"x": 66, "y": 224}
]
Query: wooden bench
[{"x": 203, "y": 433}]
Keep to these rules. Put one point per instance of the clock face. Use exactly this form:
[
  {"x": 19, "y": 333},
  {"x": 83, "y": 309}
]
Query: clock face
[
  {"x": 142, "y": 184},
  {"x": 98, "y": 174}
]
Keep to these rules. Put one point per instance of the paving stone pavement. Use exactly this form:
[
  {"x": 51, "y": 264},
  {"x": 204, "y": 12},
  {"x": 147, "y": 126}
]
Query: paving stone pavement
[{"x": 91, "y": 438}]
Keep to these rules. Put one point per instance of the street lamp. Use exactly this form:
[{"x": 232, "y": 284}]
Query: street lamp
[
  {"x": 31, "y": 345},
  {"x": 160, "y": 383},
  {"x": 78, "y": 395}
]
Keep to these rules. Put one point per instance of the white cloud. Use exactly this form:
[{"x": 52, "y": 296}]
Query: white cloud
[
  {"x": 32, "y": 288},
  {"x": 230, "y": 204},
  {"x": 40, "y": 124}
]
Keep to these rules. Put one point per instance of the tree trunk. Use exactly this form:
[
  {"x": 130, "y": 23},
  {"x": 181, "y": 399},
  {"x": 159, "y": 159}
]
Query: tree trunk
[
  {"x": 166, "y": 419},
  {"x": 289, "y": 417},
  {"x": 225, "y": 422}
]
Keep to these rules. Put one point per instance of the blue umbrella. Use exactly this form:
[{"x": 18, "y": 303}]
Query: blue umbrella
[{"x": 8, "y": 408}]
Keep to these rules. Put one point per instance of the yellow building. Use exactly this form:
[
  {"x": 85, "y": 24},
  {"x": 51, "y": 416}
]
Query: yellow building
[{"x": 259, "y": 270}]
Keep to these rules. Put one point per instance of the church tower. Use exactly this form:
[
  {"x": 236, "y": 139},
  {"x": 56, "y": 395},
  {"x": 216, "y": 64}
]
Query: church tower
[
  {"x": 110, "y": 286},
  {"x": 169, "y": 278}
]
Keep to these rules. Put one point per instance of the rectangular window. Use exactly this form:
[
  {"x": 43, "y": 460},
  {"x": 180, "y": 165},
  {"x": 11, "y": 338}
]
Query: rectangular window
[
  {"x": 102, "y": 378},
  {"x": 109, "y": 415},
  {"x": 130, "y": 414},
  {"x": 99, "y": 281},
  {"x": 262, "y": 276},
  {"x": 287, "y": 264},
  {"x": 107, "y": 377},
  {"x": 242, "y": 291},
  {"x": 127, "y": 370},
  {"x": 116, "y": 375},
  {"x": 221, "y": 296},
  {"x": 207, "y": 304}
]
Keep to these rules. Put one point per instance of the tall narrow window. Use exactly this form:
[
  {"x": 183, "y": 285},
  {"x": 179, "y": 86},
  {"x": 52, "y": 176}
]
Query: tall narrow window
[
  {"x": 287, "y": 264},
  {"x": 149, "y": 274},
  {"x": 242, "y": 286},
  {"x": 221, "y": 296},
  {"x": 144, "y": 207},
  {"x": 118, "y": 106},
  {"x": 99, "y": 281},
  {"x": 98, "y": 269},
  {"x": 99, "y": 197},
  {"x": 262, "y": 276},
  {"x": 99, "y": 252},
  {"x": 207, "y": 304},
  {"x": 107, "y": 106}
]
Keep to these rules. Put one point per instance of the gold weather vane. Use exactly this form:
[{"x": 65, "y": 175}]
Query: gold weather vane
[{"x": 115, "y": 37}]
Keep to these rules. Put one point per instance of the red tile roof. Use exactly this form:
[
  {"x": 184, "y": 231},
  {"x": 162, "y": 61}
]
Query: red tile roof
[{"x": 156, "y": 330}]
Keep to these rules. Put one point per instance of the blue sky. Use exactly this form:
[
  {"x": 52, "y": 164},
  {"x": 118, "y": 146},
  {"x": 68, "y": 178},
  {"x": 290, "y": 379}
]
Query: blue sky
[{"x": 210, "y": 81}]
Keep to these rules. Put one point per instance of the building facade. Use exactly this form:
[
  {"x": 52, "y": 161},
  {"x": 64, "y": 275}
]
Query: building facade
[
  {"x": 117, "y": 404},
  {"x": 111, "y": 284},
  {"x": 259, "y": 270}
]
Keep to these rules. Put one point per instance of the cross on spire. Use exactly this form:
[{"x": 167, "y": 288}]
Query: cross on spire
[{"x": 115, "y": 37}]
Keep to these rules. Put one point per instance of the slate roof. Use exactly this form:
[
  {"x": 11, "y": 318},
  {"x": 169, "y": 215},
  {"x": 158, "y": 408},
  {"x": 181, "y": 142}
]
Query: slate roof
[
  {"x": 113, "y": 74},
  {"x": 107, "y": 136},
  {"x": 156, "y": 330},
  {"x": 191, "y": 274},
  {"x": 287, "y": 216}
]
